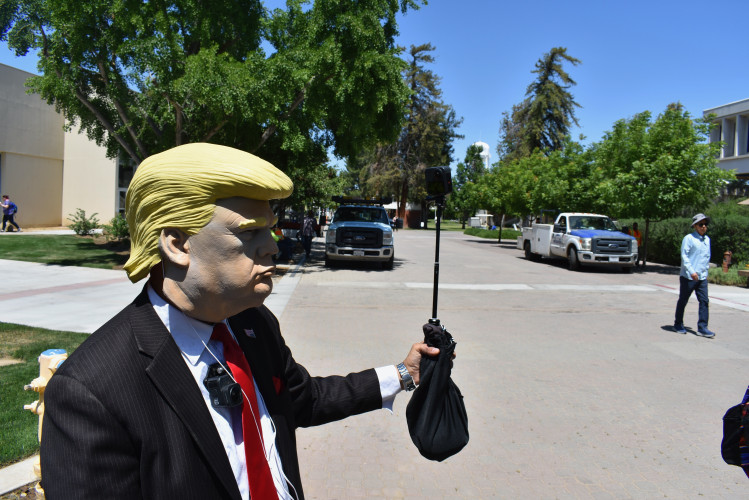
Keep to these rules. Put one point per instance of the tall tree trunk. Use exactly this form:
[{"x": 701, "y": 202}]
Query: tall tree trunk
[{"x": 501, "y": 225}]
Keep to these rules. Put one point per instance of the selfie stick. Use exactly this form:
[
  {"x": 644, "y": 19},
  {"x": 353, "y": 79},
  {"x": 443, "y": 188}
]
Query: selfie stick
[{"x": 440, "y": 201}]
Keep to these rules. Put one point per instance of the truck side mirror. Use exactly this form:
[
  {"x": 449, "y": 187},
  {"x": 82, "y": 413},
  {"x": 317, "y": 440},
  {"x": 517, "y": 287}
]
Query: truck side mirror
[{"x": 558, "y": 228}]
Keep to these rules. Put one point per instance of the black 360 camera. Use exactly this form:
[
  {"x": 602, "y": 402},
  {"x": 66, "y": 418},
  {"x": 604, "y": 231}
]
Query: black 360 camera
[
  {"x": 439, "y": 181},
  {"x": 222, "y": 389}
]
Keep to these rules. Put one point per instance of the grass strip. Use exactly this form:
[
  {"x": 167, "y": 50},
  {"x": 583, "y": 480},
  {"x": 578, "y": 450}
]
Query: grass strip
[
  {"x": 18, "y": 427},
  {"x": 63, "y": 250}
]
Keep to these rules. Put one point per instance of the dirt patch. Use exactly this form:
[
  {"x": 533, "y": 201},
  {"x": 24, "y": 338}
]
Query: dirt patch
[
  {"x": 9, "y": 361},
  {"x": 28, "y": 492}
]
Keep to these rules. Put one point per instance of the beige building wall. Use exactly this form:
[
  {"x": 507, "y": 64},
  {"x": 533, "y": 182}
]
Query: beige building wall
[
  {"x": 89, "y": 179},
  {"x": 35, "y": 186},
  {"x": 48, "y": 172},
  {"x": 31, "y": 144}
]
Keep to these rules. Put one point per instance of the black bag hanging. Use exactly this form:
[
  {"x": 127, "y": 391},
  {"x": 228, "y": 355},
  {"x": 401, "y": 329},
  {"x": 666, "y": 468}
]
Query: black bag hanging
[{"x": 436, "y": 414}]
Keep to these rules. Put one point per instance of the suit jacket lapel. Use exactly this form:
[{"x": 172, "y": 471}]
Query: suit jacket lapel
[
  {"x": 257, "y": 356},
  {"x": 174, "y": 381}
]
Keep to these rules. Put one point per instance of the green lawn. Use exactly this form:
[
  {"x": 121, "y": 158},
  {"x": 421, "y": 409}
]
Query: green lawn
[
  {"x": 63, "y": 250},
  {"x": 18, "y": 427}
]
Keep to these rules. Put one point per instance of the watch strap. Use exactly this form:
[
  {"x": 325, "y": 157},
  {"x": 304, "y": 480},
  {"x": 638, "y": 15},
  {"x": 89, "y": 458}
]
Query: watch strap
[{"x": 408, "y": 381}]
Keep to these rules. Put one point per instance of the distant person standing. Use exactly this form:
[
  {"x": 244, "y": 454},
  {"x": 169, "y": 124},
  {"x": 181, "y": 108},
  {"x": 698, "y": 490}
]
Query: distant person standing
[
  {"x": 695, "y": 262},
  {"x": 308, "y": 232},
  {"x": 9, "y": 213},
  {"x": 638, "y": 236}
]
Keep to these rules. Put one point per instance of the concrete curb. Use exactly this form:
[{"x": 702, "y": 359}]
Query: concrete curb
[{"x": 17, "y": 475}]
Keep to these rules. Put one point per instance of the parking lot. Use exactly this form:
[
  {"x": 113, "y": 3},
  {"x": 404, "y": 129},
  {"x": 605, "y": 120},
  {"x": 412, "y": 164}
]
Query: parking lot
[{"x": 574, "y": 383}]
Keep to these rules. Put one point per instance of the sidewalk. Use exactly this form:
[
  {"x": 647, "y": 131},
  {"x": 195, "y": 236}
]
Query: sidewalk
[{"x": 80, "y": 299}]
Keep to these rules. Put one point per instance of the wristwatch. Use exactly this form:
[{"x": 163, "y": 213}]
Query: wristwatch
[{"x": 406, "y": 378}]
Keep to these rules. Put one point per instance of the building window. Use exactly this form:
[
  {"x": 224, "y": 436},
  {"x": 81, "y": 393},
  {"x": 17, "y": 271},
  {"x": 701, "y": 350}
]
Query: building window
[{"x": 125, "y": 170}]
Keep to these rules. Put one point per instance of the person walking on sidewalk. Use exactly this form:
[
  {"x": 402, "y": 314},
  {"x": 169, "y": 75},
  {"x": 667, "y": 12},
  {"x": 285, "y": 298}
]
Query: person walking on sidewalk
[
  {"x": 9, "y": 213},
  {"x": 695, "y": 262},
  {"x": 308, "y": 232}
]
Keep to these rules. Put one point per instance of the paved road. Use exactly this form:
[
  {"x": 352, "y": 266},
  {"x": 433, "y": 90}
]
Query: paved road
[{"x": 573, "y": 387}]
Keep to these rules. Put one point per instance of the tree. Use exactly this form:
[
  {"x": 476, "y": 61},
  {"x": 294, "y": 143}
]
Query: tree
[
  {"x": 543, "y": 120},
  {"x": 462, "y": 201},
  {"x": 141, "y": 77},
  {"x": 425, "y": 139},
  {"x": 656, "y": 169}
]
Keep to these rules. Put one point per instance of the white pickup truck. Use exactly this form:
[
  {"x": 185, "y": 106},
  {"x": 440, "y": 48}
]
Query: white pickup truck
[{"x": 582, "y": 239}]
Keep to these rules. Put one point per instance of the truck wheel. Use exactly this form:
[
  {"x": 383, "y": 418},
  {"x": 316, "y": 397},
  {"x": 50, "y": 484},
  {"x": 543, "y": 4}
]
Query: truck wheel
[
  {"x": 528, "y": 254},
  {"x": 573, "y": 260},
  {"x": 389, "y": 264}
]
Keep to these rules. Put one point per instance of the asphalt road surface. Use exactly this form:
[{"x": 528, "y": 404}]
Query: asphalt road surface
[{"x": 574, "y": 384}]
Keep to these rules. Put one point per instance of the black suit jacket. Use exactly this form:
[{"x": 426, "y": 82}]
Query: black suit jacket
[{"x": 124, "y": 417}]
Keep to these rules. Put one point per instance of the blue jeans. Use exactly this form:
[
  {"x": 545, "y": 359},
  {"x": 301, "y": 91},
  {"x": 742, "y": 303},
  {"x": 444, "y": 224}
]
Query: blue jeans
[
  {"x": 687, "y": 286},
  {"x": 9, "y": 218},
  {"x": 307, "y": 244}
]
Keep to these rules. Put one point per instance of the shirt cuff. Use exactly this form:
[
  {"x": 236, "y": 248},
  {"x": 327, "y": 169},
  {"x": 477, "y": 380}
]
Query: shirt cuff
[{"x": 390, "y": 385}]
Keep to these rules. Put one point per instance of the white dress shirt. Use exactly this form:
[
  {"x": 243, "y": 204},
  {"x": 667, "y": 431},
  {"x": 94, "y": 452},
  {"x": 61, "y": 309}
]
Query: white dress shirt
[{"x": 193, "y": 338}]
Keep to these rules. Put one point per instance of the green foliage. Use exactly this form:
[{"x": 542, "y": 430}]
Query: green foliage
[
  {"x": 18, "y": 427},
  {"x": 729, "y": 233},
  {"x": 83, "y": 225},
  {"x": 425, "y": 140},
  {"x": 463, "y": 201},
  {"x": 117, "y": 228},
  {"x": 656, "y": 169},
  {"x": 507, "y": 234},
  {"x": 664, "y": 240},
  {"x": 731, "y": 278},
  {"x": 543, "y": 120},
  {"x": 729, "y": 230},
  {"x": 287, "y": 84},
  {"x": 62, "y": 250}
]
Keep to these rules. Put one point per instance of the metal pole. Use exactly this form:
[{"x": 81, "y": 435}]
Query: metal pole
[{"x": 440, "y": 201}]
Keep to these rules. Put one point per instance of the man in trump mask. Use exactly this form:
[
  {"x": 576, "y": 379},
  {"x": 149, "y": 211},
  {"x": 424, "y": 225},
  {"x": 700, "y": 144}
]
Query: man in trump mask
[{"x": 191, "y": 391}]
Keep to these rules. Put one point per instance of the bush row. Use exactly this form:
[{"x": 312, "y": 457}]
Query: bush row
[
  {"x": 507, "y": 234},
  {"x": 727, "y": 231}
]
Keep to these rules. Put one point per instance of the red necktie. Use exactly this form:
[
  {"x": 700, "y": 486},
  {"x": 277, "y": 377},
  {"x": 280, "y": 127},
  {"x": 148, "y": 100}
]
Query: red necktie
[{"x": 258, "y": 472}]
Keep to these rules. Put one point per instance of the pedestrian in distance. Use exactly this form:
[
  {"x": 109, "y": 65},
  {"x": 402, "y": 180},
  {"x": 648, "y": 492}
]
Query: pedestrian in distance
[
  {"x": 638, "y": 236},
  {"x": 191, "y": 391},
  {"x": 308, "y": 232},
  {"x": 695, "y": 262},
  {"x": 9, "y": 213}
]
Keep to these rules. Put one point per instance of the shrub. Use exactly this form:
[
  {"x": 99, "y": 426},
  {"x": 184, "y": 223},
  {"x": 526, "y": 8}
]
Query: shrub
[
  {"x": 729, "y": 230},
  {"x": 82, "y": 225},
  {"x": 117, "y": 229},
  {"x": 664, "y": 240},
  {"x": 717, "y": 276},
  {"x": 507, "y": 234}
]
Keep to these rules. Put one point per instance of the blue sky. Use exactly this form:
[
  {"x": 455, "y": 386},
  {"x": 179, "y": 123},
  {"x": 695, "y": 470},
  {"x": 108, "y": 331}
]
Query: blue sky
[{"x": 636, "y": 55}]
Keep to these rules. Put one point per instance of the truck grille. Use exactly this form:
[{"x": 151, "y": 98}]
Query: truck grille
[
  {"x": 609, "y": 246},
  {"x": 359, "y": 237}
]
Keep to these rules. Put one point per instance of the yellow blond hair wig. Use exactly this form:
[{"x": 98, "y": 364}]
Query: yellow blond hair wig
[{"x": 179, "y": 188}]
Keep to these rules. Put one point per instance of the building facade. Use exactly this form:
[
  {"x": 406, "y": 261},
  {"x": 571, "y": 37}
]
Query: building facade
[
  {"x": 732, "y": 127},
  {"x": 47, "y": 171}
]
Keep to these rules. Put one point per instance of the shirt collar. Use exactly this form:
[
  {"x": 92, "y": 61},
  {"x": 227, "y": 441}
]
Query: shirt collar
[
  {"x": 699, "y": 236},
  {"x": 190, "y": 335}
]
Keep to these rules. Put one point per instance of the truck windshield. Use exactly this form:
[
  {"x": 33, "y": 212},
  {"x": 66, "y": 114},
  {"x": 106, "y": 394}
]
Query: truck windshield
[
  {"x": 360, "y": 214},
  {"x": 590, "y": 222}
]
